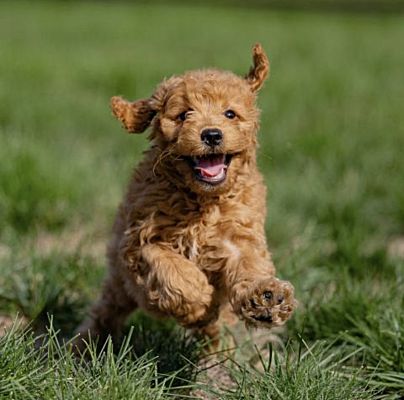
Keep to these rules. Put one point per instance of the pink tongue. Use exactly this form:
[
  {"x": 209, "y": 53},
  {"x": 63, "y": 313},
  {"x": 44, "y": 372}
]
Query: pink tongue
[{"x": 211, "y": 166}]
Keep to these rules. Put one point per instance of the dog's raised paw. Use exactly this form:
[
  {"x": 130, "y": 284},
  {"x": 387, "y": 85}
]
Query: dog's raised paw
[{"x": 268, "y": 303}]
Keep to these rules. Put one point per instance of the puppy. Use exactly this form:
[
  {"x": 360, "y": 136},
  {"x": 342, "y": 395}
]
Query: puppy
[{"x": 189, "y": 239}]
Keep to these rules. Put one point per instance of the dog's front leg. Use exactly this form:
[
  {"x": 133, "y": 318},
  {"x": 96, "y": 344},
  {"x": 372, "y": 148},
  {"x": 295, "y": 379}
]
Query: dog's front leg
[
  {"x": 256, "y": 295},
  {"x": 176, "y": 287}
]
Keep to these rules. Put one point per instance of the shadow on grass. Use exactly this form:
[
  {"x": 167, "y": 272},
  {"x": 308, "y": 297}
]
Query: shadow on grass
[
  {"x": 174, "y": 350},
  {"x": 175, "y": 353}
]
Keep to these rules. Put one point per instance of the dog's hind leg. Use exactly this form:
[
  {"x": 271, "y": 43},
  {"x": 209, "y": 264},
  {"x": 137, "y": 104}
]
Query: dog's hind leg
[
  {"x": 218, "y": 335},
  {"x": 107, "y": 316}
]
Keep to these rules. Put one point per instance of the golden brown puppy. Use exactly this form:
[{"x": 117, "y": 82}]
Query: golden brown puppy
[{"x": 189, "y": 235}]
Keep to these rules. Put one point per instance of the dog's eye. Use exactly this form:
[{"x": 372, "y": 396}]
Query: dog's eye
[
  {"x": 230, "y": 114},
  {"x": 183, "y": 116}
]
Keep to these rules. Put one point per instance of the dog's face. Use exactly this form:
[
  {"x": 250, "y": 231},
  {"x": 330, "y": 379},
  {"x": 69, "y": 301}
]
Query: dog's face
[
  {"x": 207, "y": 120},
  {"x": 205, "y": 123}
]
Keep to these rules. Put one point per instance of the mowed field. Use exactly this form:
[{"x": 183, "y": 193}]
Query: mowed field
[{"x": 331, "y": 151}]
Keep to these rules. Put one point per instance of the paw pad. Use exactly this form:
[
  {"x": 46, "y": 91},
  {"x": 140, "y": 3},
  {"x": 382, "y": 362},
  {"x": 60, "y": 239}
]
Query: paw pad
[{"x": 269, "y": 303}]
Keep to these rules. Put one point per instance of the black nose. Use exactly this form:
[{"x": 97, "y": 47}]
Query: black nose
[{"x": 212, "y": 137}]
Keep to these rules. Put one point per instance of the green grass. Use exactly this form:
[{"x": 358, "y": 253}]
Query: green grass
[
  {"x": 332, "y": 135},
  {"x": 315, "y": 372},
  {"x": 51, "y": 372}
]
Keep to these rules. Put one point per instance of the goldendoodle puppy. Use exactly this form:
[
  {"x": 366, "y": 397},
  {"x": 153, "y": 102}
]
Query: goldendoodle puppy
[{"x": 189, "y": 235}]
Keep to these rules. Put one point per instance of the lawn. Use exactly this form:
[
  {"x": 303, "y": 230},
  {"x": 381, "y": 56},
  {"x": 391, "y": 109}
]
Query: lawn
[{"x": 332, "y": 140}]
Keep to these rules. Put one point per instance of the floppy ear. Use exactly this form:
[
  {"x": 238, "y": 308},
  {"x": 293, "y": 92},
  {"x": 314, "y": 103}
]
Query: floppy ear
[
  {"x": 260, "y": 69},
  {"x": 135, "y": 116}
]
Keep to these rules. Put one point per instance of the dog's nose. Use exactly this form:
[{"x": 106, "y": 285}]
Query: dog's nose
[{"x": 212, "y": 137}]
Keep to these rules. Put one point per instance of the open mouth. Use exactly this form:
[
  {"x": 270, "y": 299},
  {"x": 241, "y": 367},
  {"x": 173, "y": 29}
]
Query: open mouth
[{"x": 211, "y": 168}]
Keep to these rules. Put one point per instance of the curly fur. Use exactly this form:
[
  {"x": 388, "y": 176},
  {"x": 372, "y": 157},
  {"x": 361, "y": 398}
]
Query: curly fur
[{"x": 183, "y": 247}]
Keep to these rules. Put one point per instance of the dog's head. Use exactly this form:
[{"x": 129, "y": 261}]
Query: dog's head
[{"x": 205, "y": 123}]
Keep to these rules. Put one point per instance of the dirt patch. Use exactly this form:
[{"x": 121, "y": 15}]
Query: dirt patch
[
  {"x": 214, "y": 374},
  {"x": 395, "y": 248},
  {"x": 248, "y": 346},
  {"x": 6, "y": 323},
  {"x": 77, "y": 240}
]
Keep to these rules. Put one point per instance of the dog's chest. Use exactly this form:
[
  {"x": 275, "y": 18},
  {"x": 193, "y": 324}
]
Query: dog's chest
[{"x": 205, "y": 239}]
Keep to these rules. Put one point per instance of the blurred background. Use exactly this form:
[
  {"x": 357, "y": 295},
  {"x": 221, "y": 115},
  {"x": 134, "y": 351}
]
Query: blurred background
[{"x": 331, "y": 151}]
